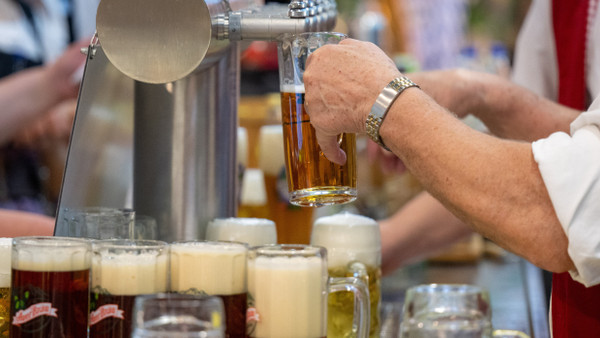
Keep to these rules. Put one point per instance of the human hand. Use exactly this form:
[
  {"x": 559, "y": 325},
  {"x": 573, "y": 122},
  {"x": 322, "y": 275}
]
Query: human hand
[
  {"x": 455, "y": 89},
  {"x": 387, "y": 161},
  {"x": 62, "y": 73},
  {"x": 342, "y": 82},
  {"x": 53, "y": 128}
]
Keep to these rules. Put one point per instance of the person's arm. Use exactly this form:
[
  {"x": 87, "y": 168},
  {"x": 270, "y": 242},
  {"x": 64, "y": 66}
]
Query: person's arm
[
  {"x": 419, "y": 229},
  {"x": 28, "y": 94},
  {"x": 19, "y": 223},
  {"x": 508, "y": 110},
  {"x": 492, "y": 184}
]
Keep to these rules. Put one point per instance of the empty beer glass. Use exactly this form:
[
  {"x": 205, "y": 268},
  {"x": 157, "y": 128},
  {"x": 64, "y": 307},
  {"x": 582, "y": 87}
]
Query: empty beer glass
[
  {"x": 121, "y": 270},
  {"x": 5, "y": 247},
  {"x": 446, "y": 311},
  {"x": 287, "y": 289},
  {"x": 254, "y": 231},
  {"x": 50, "y": 287},
  {"x": 217, "y": 269},
  {"x": 353, "y": 244},
  {"x": 178, "y": 316},
  {"x": 312, "y": 179}
]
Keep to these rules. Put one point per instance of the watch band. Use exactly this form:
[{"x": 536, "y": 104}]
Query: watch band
[{"x": 382, "y": 106}]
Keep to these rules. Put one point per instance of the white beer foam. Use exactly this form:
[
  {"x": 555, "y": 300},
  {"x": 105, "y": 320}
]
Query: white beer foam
[
  {"x": 253, "y": 188},
  {"x": 54, "y": 255},
  {"x": 290, "y": 88},
  {"x": 348, "y": 237},
  {"x": 271, "y": 158},
  {"x": 130, "y": 273},
  {"x": 242, "y": 146},
  {"x": 254, "y": 231},
  {"x": 288, "y": 293},
  {"x": 5, "y": 255},
  {"x": 215, "y": 268}
]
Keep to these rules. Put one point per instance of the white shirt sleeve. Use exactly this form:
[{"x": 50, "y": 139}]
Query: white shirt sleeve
[{"x": 570, "y": 168}]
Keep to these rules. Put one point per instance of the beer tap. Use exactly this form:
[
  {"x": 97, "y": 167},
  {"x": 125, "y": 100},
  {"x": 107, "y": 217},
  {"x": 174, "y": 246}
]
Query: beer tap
[{"x": 269, "y": 21}]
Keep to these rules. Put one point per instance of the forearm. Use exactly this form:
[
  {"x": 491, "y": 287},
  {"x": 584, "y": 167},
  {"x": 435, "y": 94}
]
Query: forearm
[
  {"x": 509, "y": 110},
  {"x": 503, "y": 196},
  {"x": 24, "y": 97},
  {"x": 422, "y": 227},
  {"x": 18, "y": 223}
]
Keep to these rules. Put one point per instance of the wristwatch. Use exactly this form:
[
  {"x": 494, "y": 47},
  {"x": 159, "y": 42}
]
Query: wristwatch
[{"x": 382, "y": 106}]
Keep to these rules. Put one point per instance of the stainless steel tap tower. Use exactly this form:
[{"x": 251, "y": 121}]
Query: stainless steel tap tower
[{"x": 155, "y": 128}]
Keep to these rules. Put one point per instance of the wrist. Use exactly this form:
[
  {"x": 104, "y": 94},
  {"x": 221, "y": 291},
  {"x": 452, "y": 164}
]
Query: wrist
[{"x": 382, "y": 105}]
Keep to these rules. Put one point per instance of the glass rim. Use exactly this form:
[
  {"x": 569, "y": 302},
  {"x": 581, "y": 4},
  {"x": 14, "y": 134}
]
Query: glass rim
[
  {"x": 124, "y": 243},
  {"x": 289, "y": 250},
  {"x": 447, "y": 287},
  {"x": 244, "y": 221},
  {"x": 202, "y": 243},
  {"x": 51, "y": 241}
]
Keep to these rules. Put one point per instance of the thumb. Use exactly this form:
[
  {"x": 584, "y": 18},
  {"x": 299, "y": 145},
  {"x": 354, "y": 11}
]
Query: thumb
[{"x": 330, "y": 148}]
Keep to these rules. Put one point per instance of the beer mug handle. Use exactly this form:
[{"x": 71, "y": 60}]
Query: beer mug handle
[{"x": 362, "y": 310}]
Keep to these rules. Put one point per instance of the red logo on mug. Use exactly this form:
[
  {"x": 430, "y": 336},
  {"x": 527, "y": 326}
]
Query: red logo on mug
[{"x": 34, "y": 311}]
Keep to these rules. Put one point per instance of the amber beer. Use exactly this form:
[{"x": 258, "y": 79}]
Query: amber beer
[
  {"x": 293, "y": 222},
  {"x": 312, "y": 179},
  {"x": 5, "y": 248},
  {"x": 353, "y": 244},
  {"x": 50, "y": 287},
  {"x": 122, "y": 270},
  {"x": 217, "y": 269}
]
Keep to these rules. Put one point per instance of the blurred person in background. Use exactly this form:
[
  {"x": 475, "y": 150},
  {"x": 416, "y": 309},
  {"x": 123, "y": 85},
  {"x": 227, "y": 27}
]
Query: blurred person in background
[
  {"x": 40, "y": 42},
  {"x": 535, "y": 191}
]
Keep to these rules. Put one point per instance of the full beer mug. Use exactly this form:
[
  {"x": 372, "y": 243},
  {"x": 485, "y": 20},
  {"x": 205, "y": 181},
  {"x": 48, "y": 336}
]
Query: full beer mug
[
  {"x": 312, "y": 179},
  {"x": 288, "y": 287},
  {"x": 216, "y": 269},
  {"x": 121, "y": 270},
  {"x": 50, "y": 287},
  {"x": 353, "y": 244},
  {"x": 5, "y": 246}
]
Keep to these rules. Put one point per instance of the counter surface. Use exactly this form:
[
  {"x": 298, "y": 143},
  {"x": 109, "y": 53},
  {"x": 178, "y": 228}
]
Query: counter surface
[{"x": 515, "y": 285}]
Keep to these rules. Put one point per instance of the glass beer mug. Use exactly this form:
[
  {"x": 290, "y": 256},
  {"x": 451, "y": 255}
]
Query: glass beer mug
[
  {"x": 50, "y": 287},
  {"x": 122, "y": 270},
  {"x": 353, "y": 244},
  {"x": 313, "y": 180},
  {"x": 287, "y": 291},
  {"x": 216, "y": 269},
  {"x": 446, "y": 310}
]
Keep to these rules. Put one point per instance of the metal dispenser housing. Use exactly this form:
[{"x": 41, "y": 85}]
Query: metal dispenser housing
[{"x": 155, "y": 127}]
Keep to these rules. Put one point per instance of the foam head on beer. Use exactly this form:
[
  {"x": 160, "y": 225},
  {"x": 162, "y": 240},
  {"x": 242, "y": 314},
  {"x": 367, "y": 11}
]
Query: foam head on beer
[
  {"x": 35, "y": 254},
  {"x": 253, "y": 188},
  {"x": 348, "y": 237},
  {"x": 242, "y": 146},
  {"x": 216, "y": 268},
  {"x": 254, "y": 231},
  {"x": 133, "y": 269},
  {"x": 289, "y": 295},
  {"x": 5, "y": 254},
  {"x": 271, "y": 157}
]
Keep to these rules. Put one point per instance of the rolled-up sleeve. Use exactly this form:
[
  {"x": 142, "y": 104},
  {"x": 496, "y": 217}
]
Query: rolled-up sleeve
[{"x": 570, "y": 168}]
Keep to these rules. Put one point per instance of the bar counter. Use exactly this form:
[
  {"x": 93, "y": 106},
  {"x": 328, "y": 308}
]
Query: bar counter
[{"x": 515, "y": 285}]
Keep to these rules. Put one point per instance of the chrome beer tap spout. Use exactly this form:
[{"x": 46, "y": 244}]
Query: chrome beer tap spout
[{"x": 271, "y": 20}]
